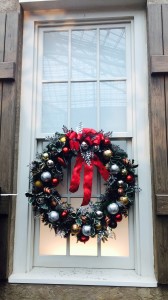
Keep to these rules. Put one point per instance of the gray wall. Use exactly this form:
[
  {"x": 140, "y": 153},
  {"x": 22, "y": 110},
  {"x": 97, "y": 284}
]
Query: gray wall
[{"x": 9, "y": 5}]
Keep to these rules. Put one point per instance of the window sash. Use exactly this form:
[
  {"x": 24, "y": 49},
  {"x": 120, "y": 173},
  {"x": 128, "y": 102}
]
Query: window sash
[
  {"x": 98, "y": 81},
  {"x": 41, "y": 260},
  {"x": 98, "y": 260}
]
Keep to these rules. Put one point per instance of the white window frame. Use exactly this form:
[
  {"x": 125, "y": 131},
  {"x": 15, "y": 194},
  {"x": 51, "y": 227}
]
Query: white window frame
[
  {"x": 117, "y": 262},
  {"x": 143, "y": 275}
]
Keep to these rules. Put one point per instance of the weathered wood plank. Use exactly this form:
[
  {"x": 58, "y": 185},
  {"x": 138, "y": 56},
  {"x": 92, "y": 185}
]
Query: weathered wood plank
[
  {"x": 154, "y": 14},
  {"x": 7, "y": 143},
  {"x": 162, "y": 204},
  {"x": 157, "y": 103},
  {"x": 2, "y": 34},
  {"x": 162, "y": 246},
  {"x": 165, "y": 28},
  {"x": 2, "y": 39},
  {"x": 159, "y": 136},
  {"x": 159, "y": 64},
  {"x": 11, "y": 37},
  {"x": 159, "y": 140},
  {"x": 165, "y": 38},
  {"x": 7, "y": 70},
  {"x": 4, "y": 207},
  {"x": 3, "y": 247},
  {"x": 7, "y": 138}
]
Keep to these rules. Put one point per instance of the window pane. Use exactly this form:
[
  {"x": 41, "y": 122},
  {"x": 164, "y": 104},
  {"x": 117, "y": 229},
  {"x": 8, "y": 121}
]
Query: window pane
[
  {"x": 114, "y": 246},
  {"x": 54, "y": 107},
  {"x": 113, "y": 106},
  {"x": 55, "y": 55},
  {"x": 112, "y": 53},
  {"x": 51, "y": 244},
  {"x": 84, "y": 54},
  {"x": 83, "y": 104}
]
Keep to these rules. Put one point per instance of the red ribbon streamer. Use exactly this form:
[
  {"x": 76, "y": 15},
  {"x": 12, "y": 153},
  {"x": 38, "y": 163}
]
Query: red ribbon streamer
[{"x": 88, "y": 176}]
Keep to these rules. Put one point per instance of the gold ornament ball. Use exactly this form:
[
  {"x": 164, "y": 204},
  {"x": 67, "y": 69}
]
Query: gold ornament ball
[
  {"x": 124, "y": 171},
  {"x": 124, "y": 200},
  {"x": 38, "y": 184},
  {"x": 107, "y": 154},
  {"x": 107, "y": 166},
  {"x": 98, "y": 226},
  {"x": 45, "y": 156},
  {"x": 63, "y": 139},
  {"x": 75, "y": 229}
]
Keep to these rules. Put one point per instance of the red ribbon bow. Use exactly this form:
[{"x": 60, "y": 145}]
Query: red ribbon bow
[{"x": 91, "y": 137}]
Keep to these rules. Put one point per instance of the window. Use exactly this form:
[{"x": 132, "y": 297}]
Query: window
[
  {"x": 90, "y": 69},
  {"x": 82, "y": 76}
]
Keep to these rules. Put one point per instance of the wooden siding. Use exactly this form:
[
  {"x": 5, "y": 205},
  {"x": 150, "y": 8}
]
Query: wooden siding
[
  {"x": 8, "y": 59},
  {"x": 158, "y": 46},
  {"x": 158, "y": 51}
]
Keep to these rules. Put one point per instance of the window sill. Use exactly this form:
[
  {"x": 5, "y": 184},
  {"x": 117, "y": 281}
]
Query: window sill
[{"x": 81, "y": 276}]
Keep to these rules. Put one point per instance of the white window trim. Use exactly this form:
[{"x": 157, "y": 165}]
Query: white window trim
[
  {"x": 143, "y": 275},
  {"x": 84, "y": 4}
]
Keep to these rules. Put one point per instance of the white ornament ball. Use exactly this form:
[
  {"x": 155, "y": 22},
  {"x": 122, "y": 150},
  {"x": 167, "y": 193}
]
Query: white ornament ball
[
  {"x": 84, "y": 146},
  {"x": 115, "y": 169},
  {"x": 99, "y": 214},
  {"x": 46, "y": 176},
  {"x": 113, "y": 208},
  {"x": 53, "y": 216},
  {"x": 86, "y": 230},
  {"x": 50, "y": 163}
]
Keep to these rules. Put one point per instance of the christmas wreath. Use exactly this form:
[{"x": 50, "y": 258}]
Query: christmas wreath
[{"x": 91, "y": 149}]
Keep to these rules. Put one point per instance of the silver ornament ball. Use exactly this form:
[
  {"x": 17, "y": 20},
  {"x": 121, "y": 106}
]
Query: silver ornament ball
[
  {"x": 120, "y": 183},
  {"x": 113, "y": 208},
  {"x": 46, "y": 176},
  {"x": 84, "y": 146},
  {"x": 115, "y": 169},
  {"x": 53, "y": 216},
  {"x": 96, "y": 148},
  {"x": 99, "y": 214},
  {"x": 86, "y": 230},
  {"x": 50, "y": 163}
]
